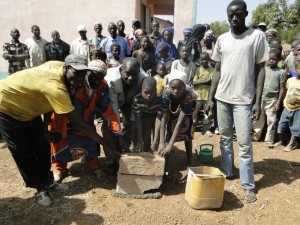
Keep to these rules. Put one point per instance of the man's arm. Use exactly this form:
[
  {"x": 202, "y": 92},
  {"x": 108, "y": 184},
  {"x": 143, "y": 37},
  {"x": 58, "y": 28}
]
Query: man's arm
[
  {"x": 19, "y": 57},
  {"x": 213, "y": 88},
  {"x": 16, "y": 57},
  {"x": 260, "y": 80}
]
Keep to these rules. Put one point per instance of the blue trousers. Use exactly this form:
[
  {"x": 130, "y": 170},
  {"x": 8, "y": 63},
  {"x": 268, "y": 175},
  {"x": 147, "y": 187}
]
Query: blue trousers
[{"x": 240, "y": 117}]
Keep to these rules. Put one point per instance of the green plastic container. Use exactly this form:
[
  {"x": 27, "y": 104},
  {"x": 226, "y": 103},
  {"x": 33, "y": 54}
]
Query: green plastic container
[{"x": 205, "y": 154}]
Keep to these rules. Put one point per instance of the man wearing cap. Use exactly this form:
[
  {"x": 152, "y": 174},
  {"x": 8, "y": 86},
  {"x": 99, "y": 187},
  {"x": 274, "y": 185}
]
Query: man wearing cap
[
  {"x": 114, "y": 39},
  {"x": 56, "y": 49},
  {"x": 90, "y": 99},
  {"x": 262, "y": 27},
  {"x": 96, "y": 40},
  {"x": 81, "y": 45},
  {"x": 25, "y": 96},
  {"x": 15, "y": 52},
  {"x": 36, "y": 47}
]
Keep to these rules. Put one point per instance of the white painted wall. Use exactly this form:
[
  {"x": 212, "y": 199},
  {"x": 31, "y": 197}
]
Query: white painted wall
[{"x": 62, "y": 15}]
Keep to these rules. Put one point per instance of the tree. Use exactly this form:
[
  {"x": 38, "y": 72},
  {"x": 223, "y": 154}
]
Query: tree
[
  {"x": 280, "y": 15},
  {"x": 219, "y": 28}
]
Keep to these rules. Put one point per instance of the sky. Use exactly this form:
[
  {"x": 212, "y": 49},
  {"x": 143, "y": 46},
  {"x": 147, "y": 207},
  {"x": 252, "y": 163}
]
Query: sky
[
  {"x": 209, "y": 11},
  {"x": 215, "y": 10}
]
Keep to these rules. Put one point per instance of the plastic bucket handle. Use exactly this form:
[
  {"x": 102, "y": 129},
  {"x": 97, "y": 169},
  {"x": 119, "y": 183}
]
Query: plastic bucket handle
[
  {"x": 208, "y": 175},
  {"x": 207, "y": 149}
]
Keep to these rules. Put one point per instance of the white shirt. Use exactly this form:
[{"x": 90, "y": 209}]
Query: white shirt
[
  {"x": 189, "y": 70},
  {"x": 238, "y": 55},
  {"x": 36, "y": 50},
  {"x": 117, "y": 96},
  {"x": 81, "y": 47}
]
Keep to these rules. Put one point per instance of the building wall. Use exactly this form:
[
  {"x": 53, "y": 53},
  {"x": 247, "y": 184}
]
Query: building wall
[
  {"x": 64, "y": 16},
  {"x": 184, "y": 12}
]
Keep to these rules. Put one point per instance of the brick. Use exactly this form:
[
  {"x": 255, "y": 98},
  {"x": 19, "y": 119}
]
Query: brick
[
  {"x": 143, "y": 163},
  {"x": 135, "y": 184}
]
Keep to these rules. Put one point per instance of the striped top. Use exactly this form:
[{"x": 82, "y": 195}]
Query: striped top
[{"x": 139, "y": 105}]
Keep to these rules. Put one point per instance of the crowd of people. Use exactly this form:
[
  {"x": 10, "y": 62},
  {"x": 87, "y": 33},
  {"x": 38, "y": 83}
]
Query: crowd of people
[{"x": 148, "y": 94}]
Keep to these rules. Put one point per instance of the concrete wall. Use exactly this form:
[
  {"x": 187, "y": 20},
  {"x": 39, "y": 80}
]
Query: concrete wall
[
  {"x": 64, "y": 16},
  {"x": 184, "y": 12}
]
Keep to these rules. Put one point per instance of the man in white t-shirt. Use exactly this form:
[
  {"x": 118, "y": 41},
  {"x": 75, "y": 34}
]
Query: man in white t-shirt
[{"x": 237, "y": 83}]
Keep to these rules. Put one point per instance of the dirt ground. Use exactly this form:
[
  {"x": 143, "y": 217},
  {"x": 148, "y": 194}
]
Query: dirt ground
[{"x": 89, "y": 201}]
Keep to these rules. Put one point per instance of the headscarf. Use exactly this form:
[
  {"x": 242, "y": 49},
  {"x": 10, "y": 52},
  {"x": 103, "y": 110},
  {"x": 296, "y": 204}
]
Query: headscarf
[
  {"x": 208, "y": 33},
  {"x": 173, "y": 50},
  {"x": 188, "y": 30},
  {"x": 198, "y": 30},
  {"x": 273, "y": 32},
  {"x": 138, "y": 32},
  {"x": 177, "y": 75}
]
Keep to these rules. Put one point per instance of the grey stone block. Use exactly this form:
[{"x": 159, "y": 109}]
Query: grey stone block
[
  {"x": 143, "y": 163},
  {"x": 136, "y": 184}
]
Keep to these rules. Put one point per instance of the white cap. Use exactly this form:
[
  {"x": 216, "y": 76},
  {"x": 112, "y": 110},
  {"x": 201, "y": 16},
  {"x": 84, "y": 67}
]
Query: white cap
[
  {"x": 81, "y": 28},
  {"x": 262, "y": 24}
]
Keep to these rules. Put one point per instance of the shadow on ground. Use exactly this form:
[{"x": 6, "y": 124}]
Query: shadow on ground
[{"x": 66, "y": 211}]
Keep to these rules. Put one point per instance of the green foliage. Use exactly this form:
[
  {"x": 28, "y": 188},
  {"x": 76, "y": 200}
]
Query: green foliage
[
  {"x": 219, "y": 28},
  {"x": 291, "y": 34},
  {"x": 280, "y": 15}
]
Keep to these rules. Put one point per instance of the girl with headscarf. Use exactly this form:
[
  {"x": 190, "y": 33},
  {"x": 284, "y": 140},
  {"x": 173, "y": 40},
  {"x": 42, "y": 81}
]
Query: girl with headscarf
[
  {"x": 167, "y": 37},
  {"x": 193, "y": 41},
  {"x": 178, "y": 102},
  {"x": 186, "y": 34}
]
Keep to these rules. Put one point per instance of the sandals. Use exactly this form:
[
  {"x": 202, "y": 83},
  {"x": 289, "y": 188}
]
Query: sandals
[
  {"x": 43, "y": 198},
  {"x": 249, "y": 196},
  {"x": 270, "y": 144},
  {"x": 290, "y": 148},
  {"x": 58, "y": 187}
]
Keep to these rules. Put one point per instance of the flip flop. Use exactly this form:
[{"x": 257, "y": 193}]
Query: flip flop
[
  {"x": 277, "y": 144},
  {"x": 249, "y": 196},
  {"x": 270, "y": 145},
  {"x": 289, "y": 149}
]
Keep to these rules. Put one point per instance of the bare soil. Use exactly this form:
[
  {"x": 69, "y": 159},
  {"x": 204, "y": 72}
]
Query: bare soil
[{"x": 89, "y": 201}]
